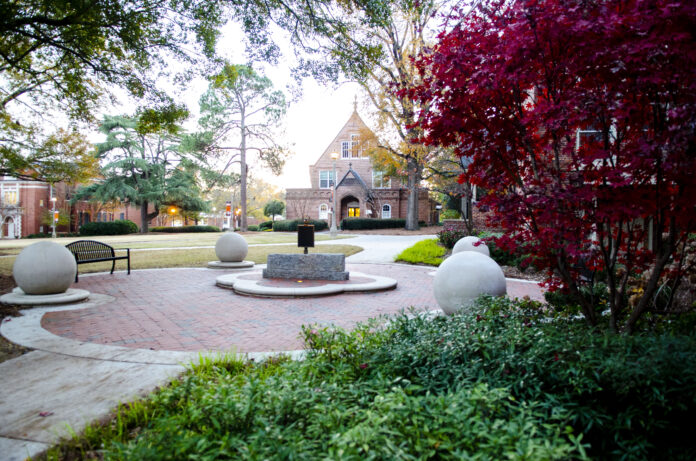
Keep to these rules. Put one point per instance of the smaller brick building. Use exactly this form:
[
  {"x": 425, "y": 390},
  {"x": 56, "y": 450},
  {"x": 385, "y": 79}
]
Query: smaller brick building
[
  {"x": 26, "y": 205},
  {"x": 361, "y": 191}
]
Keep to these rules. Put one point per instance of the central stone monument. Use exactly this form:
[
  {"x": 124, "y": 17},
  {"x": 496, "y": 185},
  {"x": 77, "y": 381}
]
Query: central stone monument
[
  {"x": 302, "y": 275},
  {"x": 318, "y": 266}
]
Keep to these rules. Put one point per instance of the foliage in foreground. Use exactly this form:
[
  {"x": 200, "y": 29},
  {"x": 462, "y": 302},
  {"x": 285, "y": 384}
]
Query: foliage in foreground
[
  {"x": 423, "y": 252},
  {"x": 497, "y": 384}
]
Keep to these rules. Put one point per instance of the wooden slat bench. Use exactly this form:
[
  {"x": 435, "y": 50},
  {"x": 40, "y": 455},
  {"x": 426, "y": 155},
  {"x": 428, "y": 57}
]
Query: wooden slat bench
[{"x": 91, "y": 251}]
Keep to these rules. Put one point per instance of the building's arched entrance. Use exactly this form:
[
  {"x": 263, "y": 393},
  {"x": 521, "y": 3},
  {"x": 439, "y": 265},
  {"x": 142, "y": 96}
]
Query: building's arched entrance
[
  {"x": 8, "y": 228},
  {"x": 350, "y": 207}
]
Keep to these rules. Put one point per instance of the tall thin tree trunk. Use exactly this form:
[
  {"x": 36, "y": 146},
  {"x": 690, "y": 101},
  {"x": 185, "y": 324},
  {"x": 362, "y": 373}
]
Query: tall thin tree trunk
[
  {"x": 413, "y": 180},
  {"x": 243, "y": 181}
]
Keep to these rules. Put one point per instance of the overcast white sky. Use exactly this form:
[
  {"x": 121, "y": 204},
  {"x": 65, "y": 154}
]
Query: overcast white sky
[{"x": 311, "y": 123}]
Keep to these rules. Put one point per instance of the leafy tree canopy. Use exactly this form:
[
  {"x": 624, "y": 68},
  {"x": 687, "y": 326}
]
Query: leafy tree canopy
[
  {"x": 240, "y": 114},
  {"x": 581, "y": 123},
  {"x": 274, "y": 208},
  {"x": 61, "y": 57},
  {"x": 144, "y": 165}
]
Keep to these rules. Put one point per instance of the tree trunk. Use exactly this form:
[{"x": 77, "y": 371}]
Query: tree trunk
[
  {"x": 146, "y": 217},
  {"x": 143, "y": 217},
  {"x": 413, "y": 180},
  {"x": 243, "y": 179}
]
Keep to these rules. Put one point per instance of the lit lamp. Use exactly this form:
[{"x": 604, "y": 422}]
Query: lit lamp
[
  {"x": 465, "y": 161},
  {"x": 333, "y": 230},
  {"x": 55, "y": 217},
  {"x": 172, "y": 212}
]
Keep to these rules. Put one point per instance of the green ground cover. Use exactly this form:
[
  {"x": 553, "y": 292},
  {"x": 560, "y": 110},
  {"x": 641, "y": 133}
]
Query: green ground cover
[
  {"x": 501, "y": 383},
  {"x": 424, "y": 252}
]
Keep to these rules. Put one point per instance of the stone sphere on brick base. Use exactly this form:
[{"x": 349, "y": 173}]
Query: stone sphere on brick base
[
  {"x": 44, "y": 268},
  {"x": 470, "y": 244},
  {"x": 465, "y": 276},
  {"x": 231, "y": 247}
]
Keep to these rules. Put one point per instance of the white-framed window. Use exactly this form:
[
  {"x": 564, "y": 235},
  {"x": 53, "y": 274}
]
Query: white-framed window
[
  {"x": 345, "y": 149},
  {"x": 326, "y": 179},
  {"x": 9, "y": 197},
  {"x": 386, "y": 211},
  {"x": 587, "y": 136},
  {"x": 323, "y": 211},
  {"x": 379, "y": 181},
  {"x": 354, "y": 150}
]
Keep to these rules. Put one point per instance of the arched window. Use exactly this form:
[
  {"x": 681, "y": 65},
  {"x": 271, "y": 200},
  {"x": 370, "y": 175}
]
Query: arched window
[
  {"x": 323, "y": 211},
  {"x": 386, "y": 211}
]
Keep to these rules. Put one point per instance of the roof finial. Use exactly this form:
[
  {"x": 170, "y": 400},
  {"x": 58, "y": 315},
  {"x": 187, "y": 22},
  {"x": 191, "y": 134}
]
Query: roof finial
[
  {"x": 350, "y": 165},
  {"x": 355, "y": 103}
]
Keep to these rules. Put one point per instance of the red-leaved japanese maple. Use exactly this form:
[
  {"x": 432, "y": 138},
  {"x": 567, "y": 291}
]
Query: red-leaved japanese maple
[{"x": 580, "y": 117}]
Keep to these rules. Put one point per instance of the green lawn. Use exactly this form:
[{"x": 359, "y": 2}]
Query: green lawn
[
  {"x": 194, "y": 239},
  {"x": 424, "y": 252},
  {"x": 199, "y": 257}
]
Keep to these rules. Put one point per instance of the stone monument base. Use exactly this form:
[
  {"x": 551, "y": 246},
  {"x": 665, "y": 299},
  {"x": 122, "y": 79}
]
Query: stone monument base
[
  {"x": 317, "y": 266},
  {"x": 230, "y": 264}
]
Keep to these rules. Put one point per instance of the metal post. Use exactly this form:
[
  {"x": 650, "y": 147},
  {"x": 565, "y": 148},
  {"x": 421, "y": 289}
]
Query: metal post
[
  {"x": 333, "y": 230},
  {"x": 53, "y": 213}
]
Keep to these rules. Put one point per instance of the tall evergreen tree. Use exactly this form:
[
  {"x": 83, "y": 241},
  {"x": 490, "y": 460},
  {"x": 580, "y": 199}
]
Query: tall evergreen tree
[
  {"x": 239, "y": 114},
  {"x": 144, "y": 166}
]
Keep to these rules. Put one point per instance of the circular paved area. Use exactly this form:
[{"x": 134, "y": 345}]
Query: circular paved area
[{"x": 183, "y": 310}]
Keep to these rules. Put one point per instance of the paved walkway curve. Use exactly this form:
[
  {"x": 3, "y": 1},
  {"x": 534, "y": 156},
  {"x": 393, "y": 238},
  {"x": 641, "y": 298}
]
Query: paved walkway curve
[{"x": 137, "y": 332}]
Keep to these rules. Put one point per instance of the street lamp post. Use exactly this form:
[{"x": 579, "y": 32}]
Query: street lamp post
[
  {"x": 333, "y": 230},
  {"x": 53, "y": 216}
]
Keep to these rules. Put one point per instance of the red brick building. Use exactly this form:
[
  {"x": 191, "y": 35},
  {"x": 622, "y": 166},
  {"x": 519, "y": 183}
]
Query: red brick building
[
  {"x": 361, "y": 191},
  {"x": 26, "y": 206}
]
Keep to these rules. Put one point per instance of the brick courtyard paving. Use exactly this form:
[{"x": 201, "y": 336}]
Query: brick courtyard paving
[{"x": 183, "y": 310}]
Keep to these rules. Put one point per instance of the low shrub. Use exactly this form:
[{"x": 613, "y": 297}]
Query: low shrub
[
  {"x": 448, "y": 236},
  {"x": 118, "y": 227},
  {"x": 39, "y": 235},
  {"x": 561, "y": 302},
  {"x": 519, "y": 258},
  {"x": 291, "y": 226},
  {"x": 266, "y": 225},
  {"x": 497, "y": 382},
  {"x": 374, "y": 223},
  {"x": 253, "y": 228},
  {"x": 423, "y": 252},
  {"x": 181, "y": 229}
]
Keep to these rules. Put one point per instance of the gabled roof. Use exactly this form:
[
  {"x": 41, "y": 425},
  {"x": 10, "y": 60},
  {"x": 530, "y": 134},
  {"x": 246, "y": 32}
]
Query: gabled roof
[
  {"x": 355, "y": 121},
  {"x": 346, "y": 181}
]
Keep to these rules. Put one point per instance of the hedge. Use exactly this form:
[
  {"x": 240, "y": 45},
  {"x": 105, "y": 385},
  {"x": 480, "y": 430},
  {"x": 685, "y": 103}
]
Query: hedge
[
  {"x": 118, "y": 227},
  {"x": 373, "y": 223},
  {"x": 181, "y": 229},
  {"x": 266, "y": 225},
  {"x": 253, "y": 228},
  {"x": 291, "y": 226}
]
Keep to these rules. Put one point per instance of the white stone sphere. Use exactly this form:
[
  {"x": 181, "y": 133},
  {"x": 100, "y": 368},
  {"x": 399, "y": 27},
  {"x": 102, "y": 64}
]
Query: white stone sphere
[
  {"x": 465, "y": 276},
  {"x": 44, "y": 268},
  {"x": 469, "y": 244},
  {"x": 231, "y": 247}
]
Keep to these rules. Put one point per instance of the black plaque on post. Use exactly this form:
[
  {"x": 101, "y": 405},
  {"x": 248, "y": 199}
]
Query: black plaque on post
[{"x": 305, "y": 236}]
